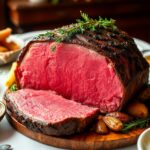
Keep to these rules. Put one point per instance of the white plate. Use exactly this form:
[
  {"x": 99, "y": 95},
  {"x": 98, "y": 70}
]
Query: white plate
[
  {"x": 144, "y": 140},
  {"x": 7, "y": 57},
  {"x": 18, "y": 141},
  {"x": 2, "y": 110}
]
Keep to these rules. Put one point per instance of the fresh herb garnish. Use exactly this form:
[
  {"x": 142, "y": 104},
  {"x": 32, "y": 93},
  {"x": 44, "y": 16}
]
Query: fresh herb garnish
[
  {"x": 53, "y": 47},
  {"x": 92, "y": 24},
  {"x": 14, "y": 87},
  {"x": 85, "y": 23},
  {"x": 142, "y": 123},
  {"x": 47, "y": 34}
]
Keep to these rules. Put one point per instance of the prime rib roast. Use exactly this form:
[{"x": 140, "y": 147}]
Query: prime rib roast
[
  {"x": 101, "y": 69},
  {"x": 46, "y": 112}
]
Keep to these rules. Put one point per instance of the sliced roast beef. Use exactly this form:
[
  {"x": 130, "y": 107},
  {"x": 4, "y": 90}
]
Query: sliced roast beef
[
  {"x": 100, "y": 68},
  {"x": 49, "y": 113}
]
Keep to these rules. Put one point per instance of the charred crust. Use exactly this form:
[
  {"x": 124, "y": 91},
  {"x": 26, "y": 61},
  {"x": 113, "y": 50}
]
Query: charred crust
[
  {"x": 119, "y": 49},
  {"x": 116, "y": 46}
]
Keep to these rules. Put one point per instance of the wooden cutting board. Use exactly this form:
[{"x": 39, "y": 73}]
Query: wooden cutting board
[{"x": 88, "y": 140}]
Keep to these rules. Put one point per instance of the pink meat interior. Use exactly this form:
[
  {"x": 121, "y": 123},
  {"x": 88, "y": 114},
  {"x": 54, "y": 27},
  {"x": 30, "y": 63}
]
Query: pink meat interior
[
  {"x": 73, "y": 71},
  {"x": 48, "y": 107}
]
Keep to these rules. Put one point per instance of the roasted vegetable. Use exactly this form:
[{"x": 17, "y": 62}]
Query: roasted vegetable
[
  {"x": 137, "y": 110},
  {"x": 121, "y": 116},
  {"x": 113, "y": 123},
  {"x": 101, "y": 127}
]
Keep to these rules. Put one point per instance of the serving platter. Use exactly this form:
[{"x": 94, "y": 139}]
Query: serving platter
[{"x": 86, "y": 140}]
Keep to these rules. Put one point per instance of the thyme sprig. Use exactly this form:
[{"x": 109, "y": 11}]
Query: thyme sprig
[
  {"x": 142, "y": 123},
  {"x": 13, "y": 87},
  {"x": 83, "y": 24}
]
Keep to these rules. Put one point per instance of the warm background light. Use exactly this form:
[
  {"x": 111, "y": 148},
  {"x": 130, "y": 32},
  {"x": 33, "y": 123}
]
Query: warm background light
[{"x": 28, "y": 15}]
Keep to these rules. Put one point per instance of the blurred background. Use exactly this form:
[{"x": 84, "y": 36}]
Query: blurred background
[{"x": 132, "y": 16}]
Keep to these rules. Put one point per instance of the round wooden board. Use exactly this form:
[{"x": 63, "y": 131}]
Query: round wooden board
[{"x": 81, "y": 141}]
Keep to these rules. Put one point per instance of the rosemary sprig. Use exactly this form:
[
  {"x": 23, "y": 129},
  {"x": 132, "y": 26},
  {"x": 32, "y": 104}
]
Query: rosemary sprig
[
  {"x": 13, "y": 88},
  {"x": 101, "y": 22},
  {"x": 85, "y": 23},
  {"x": 136, "y": 123}
]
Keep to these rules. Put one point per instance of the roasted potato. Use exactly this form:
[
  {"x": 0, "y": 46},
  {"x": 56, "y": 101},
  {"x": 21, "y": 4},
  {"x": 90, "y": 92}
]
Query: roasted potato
[
  {"x": 101, "y": 127},
  {"x": 121, "y": 116},
  {"x": 137, "y": 110},
  {"x": 113, "y": 123},
  {"x": 3, "y": 49}
]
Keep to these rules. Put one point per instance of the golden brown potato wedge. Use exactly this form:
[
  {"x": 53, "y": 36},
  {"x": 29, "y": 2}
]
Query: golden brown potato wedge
[
  {"x": 5, "y": 33},
  {"x": 3, "y": 49},
  {"x": 148, "y": 59},
  {"x": 13, "y": 46},
  {"x": 11, "y": 78},
  {"x": 101, "y": 127},
  {"x": 10, "y": 45}
]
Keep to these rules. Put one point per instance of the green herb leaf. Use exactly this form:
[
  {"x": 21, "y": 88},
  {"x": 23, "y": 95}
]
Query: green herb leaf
[
  {"x": 53, "y": 48},
  {"x": 14, "y": 87},
  {"x": 142, "y": 123},
  {"x": 61, "y": 31},
  {"x": 85, "y": 16},
  {"x": 58, "y": 39},
  {"x": 83, "y": 24},
  {"x": 47, "y": 34}
]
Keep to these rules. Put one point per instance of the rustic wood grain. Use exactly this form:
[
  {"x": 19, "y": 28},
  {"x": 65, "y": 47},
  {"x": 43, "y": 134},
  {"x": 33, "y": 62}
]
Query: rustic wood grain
[{"x": 82, "y": 141}]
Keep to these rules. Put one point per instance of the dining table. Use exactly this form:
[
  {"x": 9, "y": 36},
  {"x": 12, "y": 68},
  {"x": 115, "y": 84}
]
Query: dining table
[{"x": 8, "y": 135}]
